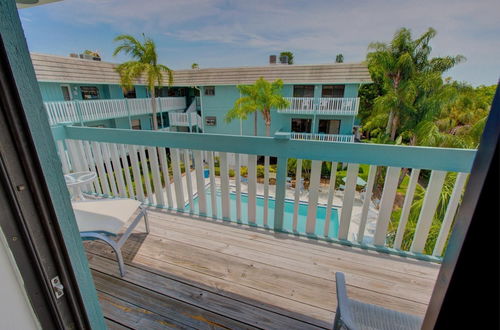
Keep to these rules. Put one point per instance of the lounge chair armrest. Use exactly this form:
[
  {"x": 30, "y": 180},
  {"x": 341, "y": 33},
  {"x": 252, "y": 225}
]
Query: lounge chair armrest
[{"x": 343, "y": 302}]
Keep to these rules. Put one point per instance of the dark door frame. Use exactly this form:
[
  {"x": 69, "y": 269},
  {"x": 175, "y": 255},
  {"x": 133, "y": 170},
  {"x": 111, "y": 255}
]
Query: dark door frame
[
  {"x": 466, "y": 294},
  {"x": 28, "y": 218}
]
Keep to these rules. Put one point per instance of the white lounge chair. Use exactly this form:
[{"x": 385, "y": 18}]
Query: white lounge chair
[
  {"x": 103, "y": 218},
  {"x": 353, "y": 315}
]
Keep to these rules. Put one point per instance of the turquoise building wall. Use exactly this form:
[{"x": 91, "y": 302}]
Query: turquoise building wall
[
  {"x": 219, "y": 104},
  {"x": 51, "y": 91}
]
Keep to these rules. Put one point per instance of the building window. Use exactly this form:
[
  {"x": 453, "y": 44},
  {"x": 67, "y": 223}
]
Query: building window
[
  {"x": 211, "y": 121},
  {"x": 130, "y": 94},
  {"x": 210, "y": 90},
  {"x": 136, "y": 124},
  {"x": 162, "y": 91},
  {"x": 89, "y": 92},
  {"x": 301, "y": 125},
  {"x": 333, "y": 91},
  {"x": 303, "y": 91},
  {"x": 329, "y": 126}
]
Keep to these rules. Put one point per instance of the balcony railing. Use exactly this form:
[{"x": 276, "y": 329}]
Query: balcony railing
[
  {"x": 186, "y": 119},
  {"x": 322, "y": 106},
  {"x": 91, "y": 110},
  {"x": 322, "y": 137},
  {"x": 158, "y": 155}
]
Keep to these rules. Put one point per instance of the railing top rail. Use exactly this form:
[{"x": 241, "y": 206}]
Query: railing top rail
[{"x": 444, "y": 159}]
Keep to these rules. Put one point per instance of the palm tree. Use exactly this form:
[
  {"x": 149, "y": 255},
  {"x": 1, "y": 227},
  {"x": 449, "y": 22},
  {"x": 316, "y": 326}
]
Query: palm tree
[
  {"x": 405, "y": 69},
  {"x": 288, "y": 54},
  {"x": 261, "y": 96},
  {"x": 144, "y": 64}
]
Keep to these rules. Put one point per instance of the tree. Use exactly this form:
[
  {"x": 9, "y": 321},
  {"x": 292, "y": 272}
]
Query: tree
[
  {"x": 408, "y": 75},
  {"x": 460, "y": 122},
  {"x": 92, "y": 53},
  {"x": 339, "y": 58},
  {"x": 144, "y": 65},
  {"x": 261, "y": 96},
  {"x": 195, "y": 66},
  {"x": 290, "y": 56}
]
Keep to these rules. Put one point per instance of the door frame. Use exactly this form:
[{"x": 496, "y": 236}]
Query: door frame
[
  {"x": 27, "y": 220},
  {"x": 69, "y": 90}
]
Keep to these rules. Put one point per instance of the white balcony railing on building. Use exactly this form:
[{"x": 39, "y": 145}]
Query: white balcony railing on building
[
  {"x": 322, "y": 137},
  {"x": 91, "y": 110},
  {"x": 186, "y": 119},
  {"x": 322, "y": 106}
]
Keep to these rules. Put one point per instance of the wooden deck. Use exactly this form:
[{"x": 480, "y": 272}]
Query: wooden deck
[{"x": 193, "y": 273}]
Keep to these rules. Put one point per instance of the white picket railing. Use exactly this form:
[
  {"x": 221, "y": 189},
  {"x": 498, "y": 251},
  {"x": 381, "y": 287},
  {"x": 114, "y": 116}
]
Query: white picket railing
[
  {"x": 322, "y": 106},
  {"x": 91, "y": 110},
  {"x": 158, "y": 158},
  {"x": 186, "y": 119},
  {"x": 322, "y": 137}
]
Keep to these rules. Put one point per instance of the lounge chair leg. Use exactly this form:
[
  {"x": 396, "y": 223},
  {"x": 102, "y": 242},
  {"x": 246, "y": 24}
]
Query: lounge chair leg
[
  {"x": 121, "y": 264},
  {"x": 119, "y": 256},
  {"x": 114, "y": 245}
]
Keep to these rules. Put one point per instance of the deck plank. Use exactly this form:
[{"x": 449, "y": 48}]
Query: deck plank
[
  {"x": 409, "y": 287},
  {"x": 121, "y": 314},
  {"x": 310, "y": 247},
  {"x": 174, "y": 312},
  {"x": 112, "y": 325},
  {"x": 249, "y": 277},
  {"x": 251, "y": 296}
]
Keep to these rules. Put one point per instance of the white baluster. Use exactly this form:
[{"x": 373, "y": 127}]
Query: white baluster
[
  {"x": 429, "y": 206},
  {"x": 313, "y": 196},
  {"x": 451, "y": 210},
  {"x": 298, "y": 177},
  {"x": 348, "y": 201},
  {"x": 331, "y": 194},
  {"x": 405, "y": 212},
  {"x": 252, "y": 187},
  {"x": 386, "y": 204}
]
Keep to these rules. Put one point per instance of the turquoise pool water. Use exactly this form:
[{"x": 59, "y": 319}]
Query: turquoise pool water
[{"x": 287, "y": 218}]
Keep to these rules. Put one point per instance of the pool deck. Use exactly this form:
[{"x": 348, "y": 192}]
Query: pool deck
[
  {"x": 191, "y": 272},
  {"x": 304, "y": 197}
]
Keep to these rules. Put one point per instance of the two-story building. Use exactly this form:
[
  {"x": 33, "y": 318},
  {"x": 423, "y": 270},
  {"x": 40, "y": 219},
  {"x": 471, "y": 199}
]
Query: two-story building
[{"x": 323, "y": 98}]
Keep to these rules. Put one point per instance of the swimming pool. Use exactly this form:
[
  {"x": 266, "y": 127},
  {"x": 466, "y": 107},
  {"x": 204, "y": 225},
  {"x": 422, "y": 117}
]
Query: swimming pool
[{"x": 287, "y": 217}]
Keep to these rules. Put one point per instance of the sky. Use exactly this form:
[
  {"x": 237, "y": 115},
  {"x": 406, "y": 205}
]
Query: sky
[{"x": 224, "y": 33}]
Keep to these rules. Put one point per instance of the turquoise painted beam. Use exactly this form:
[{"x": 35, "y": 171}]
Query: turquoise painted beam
[
  {"x": 444, "y": 159},
  {"x": 29, "y": 93}
]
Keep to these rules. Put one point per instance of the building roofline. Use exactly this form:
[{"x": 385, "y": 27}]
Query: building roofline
[{"x": 56, "y": 68}]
